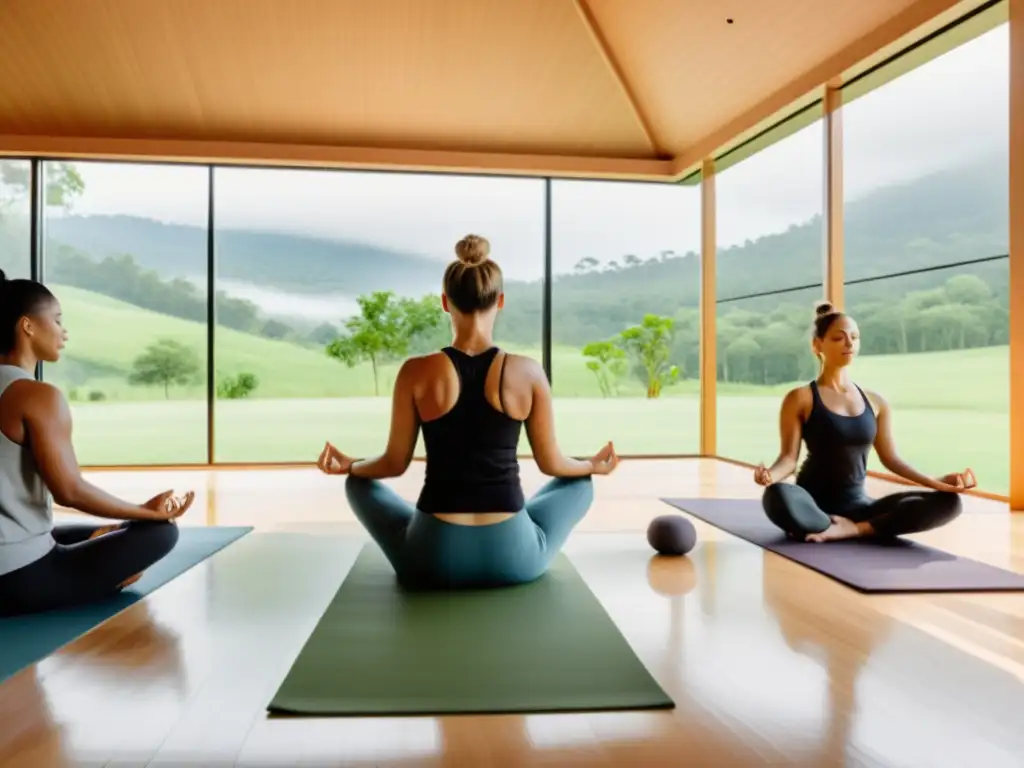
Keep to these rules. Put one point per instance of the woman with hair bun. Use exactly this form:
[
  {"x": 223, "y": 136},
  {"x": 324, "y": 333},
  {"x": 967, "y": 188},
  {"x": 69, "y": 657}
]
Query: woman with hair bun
[
  {"x": 43, "y": 566},
  {"x": 471, "y": 526},
  {"x": 840, "y": 423}
]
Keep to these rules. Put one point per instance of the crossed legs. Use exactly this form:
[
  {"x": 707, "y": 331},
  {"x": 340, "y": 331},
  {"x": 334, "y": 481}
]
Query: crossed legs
[
  {"x": 425, "y": 551},
  {"x": 88, "y": 563},
  {"x": 794, "y": 511}
]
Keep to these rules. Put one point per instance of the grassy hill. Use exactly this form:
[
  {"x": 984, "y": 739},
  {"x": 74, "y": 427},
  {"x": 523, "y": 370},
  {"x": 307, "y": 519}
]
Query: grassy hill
[
  {"x": 106, "y": 335},
  {"x": 948, "y": 378},
  {"x": 951, "y": 407}
]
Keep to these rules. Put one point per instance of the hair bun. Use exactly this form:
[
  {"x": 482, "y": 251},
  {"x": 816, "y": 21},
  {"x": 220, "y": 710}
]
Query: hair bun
[
  {"x": 823, "y": 308},
  {"x": 473, "y": 250}
]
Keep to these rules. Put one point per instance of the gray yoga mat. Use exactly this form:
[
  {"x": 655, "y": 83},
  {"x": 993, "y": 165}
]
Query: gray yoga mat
[{"x": 867, "y": 565}]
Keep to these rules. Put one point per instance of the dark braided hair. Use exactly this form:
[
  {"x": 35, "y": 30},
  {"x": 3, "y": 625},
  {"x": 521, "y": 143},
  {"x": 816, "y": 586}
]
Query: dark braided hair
[{"x": 18, "y": 298}]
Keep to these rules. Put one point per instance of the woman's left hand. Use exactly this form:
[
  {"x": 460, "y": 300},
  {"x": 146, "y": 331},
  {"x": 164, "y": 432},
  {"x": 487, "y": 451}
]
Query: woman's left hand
[{"x": 334, "y": 462}]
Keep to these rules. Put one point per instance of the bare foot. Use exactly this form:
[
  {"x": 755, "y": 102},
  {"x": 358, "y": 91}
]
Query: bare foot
[
  {"x": 841, "y": 528},
  {"x": 129, "y": 581},
  {"x": 102, "y": 531}
]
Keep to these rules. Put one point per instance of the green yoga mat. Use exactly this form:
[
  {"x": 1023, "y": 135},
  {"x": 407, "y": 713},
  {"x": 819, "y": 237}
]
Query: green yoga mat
[
  {"x": 24, "y": 640},
  {"x": 548, "y": 646}
]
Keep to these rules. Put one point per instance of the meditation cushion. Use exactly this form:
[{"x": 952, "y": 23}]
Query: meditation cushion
[{"x": 671, "y": 535}]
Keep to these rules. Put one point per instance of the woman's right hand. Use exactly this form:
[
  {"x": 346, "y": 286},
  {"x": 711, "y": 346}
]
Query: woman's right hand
[
  {"x": 762, "y": 476},
  {"x": 605, "y": 461},
  {"x": 957, "y": 482},
  {"x": 167, "y": 506}
]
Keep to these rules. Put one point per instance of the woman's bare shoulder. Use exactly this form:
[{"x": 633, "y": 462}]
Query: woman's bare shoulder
[{"x": 524, "y": 365}]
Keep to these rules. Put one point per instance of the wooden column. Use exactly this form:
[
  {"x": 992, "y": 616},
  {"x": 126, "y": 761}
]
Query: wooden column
[
  {"x": 1017, "y": 255},
  {"x": 708, "y": 335},
  {"x": 832, "y": 214}
]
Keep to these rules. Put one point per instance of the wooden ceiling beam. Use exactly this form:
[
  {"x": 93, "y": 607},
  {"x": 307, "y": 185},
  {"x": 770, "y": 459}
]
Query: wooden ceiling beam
[
  {"x": 352, "y": 158},
  {"x": 610, "y": 60}
]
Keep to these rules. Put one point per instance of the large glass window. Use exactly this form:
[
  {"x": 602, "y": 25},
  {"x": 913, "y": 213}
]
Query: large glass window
[
  {"x": 15, "y": 210},
  {"x": 769, "y": 276},
  {"x": 125, "y": 254},
  {"x": 625, "y": 320},
  {"x": 326, "y": 281},
  {"x": 764, "y": 350},
  {"x": 926, "y": 180}
]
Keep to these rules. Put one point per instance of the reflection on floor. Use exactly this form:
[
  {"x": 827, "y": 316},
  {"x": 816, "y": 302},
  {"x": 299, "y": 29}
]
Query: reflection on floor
[{"x": 768, "y": 662}]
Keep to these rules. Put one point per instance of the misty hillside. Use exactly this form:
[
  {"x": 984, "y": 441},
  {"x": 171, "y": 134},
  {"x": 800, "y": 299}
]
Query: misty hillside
[
  {"x": 949, "y": 216},
  {"x": 944, "y": 218},
  {"x": 284, "y": 261}
]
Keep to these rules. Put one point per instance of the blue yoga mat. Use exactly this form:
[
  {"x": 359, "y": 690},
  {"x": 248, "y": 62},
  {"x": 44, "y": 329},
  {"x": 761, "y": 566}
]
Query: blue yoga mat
[{"x": 24, "y": 640}]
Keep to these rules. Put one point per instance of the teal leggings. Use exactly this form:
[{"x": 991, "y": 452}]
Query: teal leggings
[{"x": 428, "y": 553}]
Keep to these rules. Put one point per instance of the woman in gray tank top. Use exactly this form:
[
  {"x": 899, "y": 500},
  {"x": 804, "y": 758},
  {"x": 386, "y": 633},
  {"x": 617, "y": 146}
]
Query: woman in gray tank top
[{"x": 43, "y": 566}]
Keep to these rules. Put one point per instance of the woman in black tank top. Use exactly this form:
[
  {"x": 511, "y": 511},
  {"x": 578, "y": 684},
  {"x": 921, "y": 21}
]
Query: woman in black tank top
[
  {"x": 840, "y": 424},
  {"x": 472, "y": 525}
]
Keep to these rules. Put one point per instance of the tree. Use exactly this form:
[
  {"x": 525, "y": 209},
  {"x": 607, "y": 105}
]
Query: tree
[
  {"x": 275, "y": 329},
  {"x": 323, "y": 334},
  {"x": 63, "y": 184},
  {"x": 585, "y": 264},
  {"x": 237, "y": 387},
  {"x": 166, "y": 362},
  {"x": 608, "y": 364},
  {"x": 649, "y": 346},
  {"x": 967, "y": 289},
  {"x": 384, "y": 329}
]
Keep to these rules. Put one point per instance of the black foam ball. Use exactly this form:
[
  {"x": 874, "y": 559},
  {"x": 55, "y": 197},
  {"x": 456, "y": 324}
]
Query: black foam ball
[{"x": 671, "y": 535}]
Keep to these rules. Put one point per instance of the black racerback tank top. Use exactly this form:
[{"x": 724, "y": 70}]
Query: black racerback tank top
[
  {"x": 471, "y": 450},
  {"x": 837, "y": 455}
]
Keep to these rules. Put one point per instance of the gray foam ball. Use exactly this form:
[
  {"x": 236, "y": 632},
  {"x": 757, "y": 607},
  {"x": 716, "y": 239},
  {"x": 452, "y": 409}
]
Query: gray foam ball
[{"x": 671, "y": 535}]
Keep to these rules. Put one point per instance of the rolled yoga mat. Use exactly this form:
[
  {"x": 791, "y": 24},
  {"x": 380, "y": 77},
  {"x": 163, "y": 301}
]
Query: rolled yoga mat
[
  {"x": 24, "y": 640},
  {"x": 547, "y": 646},
  {"x": 867, "y": 565}
]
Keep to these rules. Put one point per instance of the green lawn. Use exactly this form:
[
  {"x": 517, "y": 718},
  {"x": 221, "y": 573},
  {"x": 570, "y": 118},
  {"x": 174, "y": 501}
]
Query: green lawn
[{"x": 951, "y": 408}]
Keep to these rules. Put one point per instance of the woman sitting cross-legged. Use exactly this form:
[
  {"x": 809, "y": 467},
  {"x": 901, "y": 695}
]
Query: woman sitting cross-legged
[
  {"x": 472, "y": 526},
  {"x": 42, "y": 566},
  {"x": 840, "y": 423}
]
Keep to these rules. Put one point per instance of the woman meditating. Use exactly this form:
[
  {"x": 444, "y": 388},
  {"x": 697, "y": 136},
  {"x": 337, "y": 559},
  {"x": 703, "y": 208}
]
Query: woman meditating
[
  {"x": 840, "y": 423},
  {"x": 471, "y": 526},
  {"x": 43, "y": 567}
]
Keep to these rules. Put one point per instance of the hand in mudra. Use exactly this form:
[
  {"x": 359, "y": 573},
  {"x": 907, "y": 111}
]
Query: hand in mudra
[
  {"x": 762, "y": 476},
  {"x": 959, "y": 481},
  {"x": 605, "y": 461},
  {"x": 168, "y": 506},
  {"x": 334, "y": 462}
]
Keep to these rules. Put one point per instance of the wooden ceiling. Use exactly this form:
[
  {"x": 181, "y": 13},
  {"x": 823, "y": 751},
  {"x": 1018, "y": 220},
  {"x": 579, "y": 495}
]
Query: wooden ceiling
[{"x": 628, "y": 88}]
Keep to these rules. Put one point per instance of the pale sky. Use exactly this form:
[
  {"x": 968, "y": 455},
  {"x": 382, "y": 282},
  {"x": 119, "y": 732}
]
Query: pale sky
[{"x": 939, "y": 116}]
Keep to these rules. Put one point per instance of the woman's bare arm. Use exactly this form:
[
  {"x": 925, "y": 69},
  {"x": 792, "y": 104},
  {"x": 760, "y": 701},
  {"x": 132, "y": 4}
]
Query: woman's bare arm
[
  {"x": 790, "y": 427},
  {"x": 885, "y": 447},
  {"x": 540, "y": 429},
  {"x": 47, "y": 420},
  {"x": 405, "y": 430}
]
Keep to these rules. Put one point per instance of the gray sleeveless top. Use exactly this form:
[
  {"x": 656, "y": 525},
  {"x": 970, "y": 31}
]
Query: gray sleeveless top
[{"x": 26, "y": 508}]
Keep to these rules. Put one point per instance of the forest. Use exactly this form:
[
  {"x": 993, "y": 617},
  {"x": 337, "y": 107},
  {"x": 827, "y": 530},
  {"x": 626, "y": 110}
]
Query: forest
[{"x": 950, "y": 217}]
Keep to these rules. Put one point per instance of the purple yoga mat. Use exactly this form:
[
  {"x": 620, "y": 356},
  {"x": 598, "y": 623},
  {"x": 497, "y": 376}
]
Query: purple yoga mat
[{"x": 866, "y": 565}]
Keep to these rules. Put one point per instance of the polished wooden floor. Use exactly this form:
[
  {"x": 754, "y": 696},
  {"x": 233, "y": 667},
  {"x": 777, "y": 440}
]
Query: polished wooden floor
[{"x": 769, "y": 663}]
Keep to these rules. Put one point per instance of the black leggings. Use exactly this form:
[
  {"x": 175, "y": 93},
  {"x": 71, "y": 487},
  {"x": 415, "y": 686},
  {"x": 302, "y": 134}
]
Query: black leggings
[
  {"x": 793, "y": 510},
  {"x": 83, "y": 570}
]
